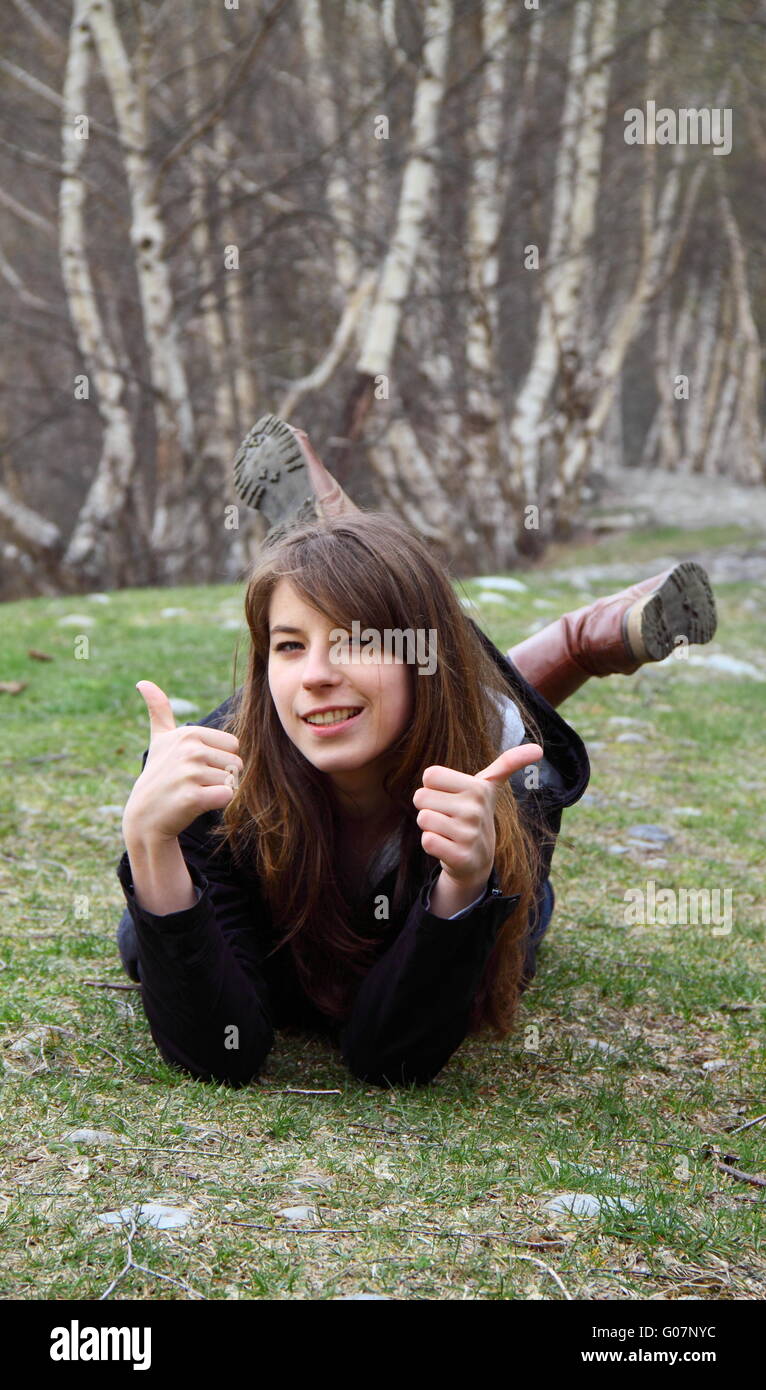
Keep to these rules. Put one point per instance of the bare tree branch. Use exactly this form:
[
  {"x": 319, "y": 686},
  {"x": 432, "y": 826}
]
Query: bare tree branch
[{"x": 232, "y": 87}]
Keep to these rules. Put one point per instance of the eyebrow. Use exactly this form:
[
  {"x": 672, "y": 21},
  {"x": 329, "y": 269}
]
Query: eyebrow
[{"x": 284, "y": 629}]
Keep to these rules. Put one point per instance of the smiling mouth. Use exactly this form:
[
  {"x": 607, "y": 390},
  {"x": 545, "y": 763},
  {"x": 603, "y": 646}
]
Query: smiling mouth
[{"x": 332, "y": 718}]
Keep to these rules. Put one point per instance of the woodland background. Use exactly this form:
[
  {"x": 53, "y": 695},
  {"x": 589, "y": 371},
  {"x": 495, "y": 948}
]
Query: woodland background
[{"x": 325, "y": 210}]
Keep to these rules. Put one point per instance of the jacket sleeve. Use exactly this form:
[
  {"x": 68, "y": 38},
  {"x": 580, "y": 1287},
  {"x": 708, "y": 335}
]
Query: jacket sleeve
[
  {"x": 204, "y": 994},
  {"x": 412, "y": 1009}
]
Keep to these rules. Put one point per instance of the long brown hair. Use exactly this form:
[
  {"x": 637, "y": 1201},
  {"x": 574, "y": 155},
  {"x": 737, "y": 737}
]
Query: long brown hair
[{"x": 282, "y": 821}]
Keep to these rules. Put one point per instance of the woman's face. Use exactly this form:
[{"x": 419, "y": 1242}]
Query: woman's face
[{"x": 373, "y": 698}]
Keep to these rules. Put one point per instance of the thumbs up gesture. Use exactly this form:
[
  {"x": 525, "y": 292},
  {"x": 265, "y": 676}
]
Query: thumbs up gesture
[
  {"x": 456, "y": 813},
  {"x": 188, "y": 771}
]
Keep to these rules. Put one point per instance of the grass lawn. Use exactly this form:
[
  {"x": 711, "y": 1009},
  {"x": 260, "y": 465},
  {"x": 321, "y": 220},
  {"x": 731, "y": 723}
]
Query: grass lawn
[{"x": 438, "y": 1192}]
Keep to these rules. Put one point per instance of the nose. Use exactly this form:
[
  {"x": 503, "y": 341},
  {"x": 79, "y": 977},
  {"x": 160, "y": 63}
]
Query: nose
[{"x": 319, "y": 669}]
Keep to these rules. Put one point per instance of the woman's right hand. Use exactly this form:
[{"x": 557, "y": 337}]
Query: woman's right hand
[{"x": 188, "y": 771}]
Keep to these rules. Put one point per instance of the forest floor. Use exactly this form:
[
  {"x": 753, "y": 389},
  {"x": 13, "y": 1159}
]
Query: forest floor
[
  {"x": 691, "y": 501},
  {"x": 635, "y": 1079}
]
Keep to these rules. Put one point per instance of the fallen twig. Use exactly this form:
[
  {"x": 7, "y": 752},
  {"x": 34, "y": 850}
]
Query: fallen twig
[
  {"x": 758, "y": 1120},
  {"x": 155, "y": 1274},
  {"x": 168, "y": 1149},
  {"x": 726, "y": 1163},
  {"x": 754, "y": 1178},
  {"x": 542, "y": 1265},
  {"x": 654, "y": 1143},
  {"x": 732, "y": 1196},
  {"x": 106, "y": 984},
  {"x": 297, "y": 1091},
  {"x": 100, "y": 1047}
]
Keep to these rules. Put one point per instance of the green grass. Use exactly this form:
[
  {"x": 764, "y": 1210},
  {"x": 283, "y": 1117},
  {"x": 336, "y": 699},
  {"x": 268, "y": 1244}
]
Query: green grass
[
  {"x": 431, "y": 1193},
  {"x": 643, "y": 543}
]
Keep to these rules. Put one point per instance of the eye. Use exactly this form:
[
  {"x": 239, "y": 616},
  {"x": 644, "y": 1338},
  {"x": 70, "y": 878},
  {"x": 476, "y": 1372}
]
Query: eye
[{"x": 282, "y": 646}]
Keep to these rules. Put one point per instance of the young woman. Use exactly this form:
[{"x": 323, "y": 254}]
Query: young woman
[{"x": 358, "y": 841}]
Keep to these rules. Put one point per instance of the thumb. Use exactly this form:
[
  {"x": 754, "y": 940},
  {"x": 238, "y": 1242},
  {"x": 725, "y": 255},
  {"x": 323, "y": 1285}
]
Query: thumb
[
  {"x": 161, "y": 717},
  {"x": 510, "y": 761}
]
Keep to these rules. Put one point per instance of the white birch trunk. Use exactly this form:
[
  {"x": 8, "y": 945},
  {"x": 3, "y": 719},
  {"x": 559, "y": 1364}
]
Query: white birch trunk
[
  {"x": 668, "y": 438},
  {"x": 719, "y": 370},
  {"x": 219, "y": 436},
  {"x": 664, "y": 234},
  {"x": 242, "y": 373},
  {"x": 532, "y": 396},
  {"x": 483, "y": 463},
  {"x": 662, "y": 243},
  {"x": 718, "y": 455},
  {"x": 524, "y": 112},
  {"x": 414, "y": 199},
  {"x": 572, "y": 222},
  {"x": 28, "y": 531},
  {"x": 608, "y": 451},
  {"x": 420, "y": 469},
  {"x": 178, "y": 532},
  {"x": 370, "y": 19},
  {"x": 403, "y": 467},
  {"x": 343, "y": 337},
  {"x": 354, "y": 287},
  {"x": 749, "y": 454},
  {"x": 703, "y": 373},
  {"x": 94, "y": 548},
  {"x": 666, "y": 364}
]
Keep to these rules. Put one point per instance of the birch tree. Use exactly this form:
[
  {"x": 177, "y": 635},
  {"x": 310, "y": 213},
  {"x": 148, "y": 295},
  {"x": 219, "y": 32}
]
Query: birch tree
[
  {"x": 232, "y": 395},
  {"x": 178, "y": 532},
  {"x": 95, "y": 546},
  {"x": 751, "y": 459},
  {"x": 700, "y": 454},
  {"x": 352, "y": 284},
  {"x": 484, "y": 454},
  {"x": 664, "y": 221},
  {"x": 574, "y": 197},
  {"x": 374, "y": 364}
]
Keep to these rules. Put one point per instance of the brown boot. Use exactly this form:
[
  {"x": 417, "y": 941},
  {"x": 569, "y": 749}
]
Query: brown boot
[
  {"x": 278, "y": 473},
  {"x": 618, "y": 633},
  {"x": 331, "y": 500}
]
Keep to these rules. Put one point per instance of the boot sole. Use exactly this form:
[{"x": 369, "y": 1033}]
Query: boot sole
[
  {"x": 683, "y": 606},
  {"x": 270, "y": 475}
]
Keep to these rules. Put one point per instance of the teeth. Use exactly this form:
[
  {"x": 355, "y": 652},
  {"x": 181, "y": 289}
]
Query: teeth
[{"x": 330, "y": 716}]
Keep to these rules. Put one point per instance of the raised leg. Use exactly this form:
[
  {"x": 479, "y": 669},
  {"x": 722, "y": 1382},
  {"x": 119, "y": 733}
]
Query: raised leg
[
  {"x": 278, "y": 473},
  {"x": 276, "y": 466},
  {"x": 620, "y": 632},
  {"x": 331, "y": 500}
]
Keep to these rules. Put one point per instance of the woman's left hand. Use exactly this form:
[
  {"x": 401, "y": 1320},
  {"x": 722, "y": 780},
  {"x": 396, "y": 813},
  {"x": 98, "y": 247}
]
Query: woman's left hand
[{"x": 456, "y": 813}]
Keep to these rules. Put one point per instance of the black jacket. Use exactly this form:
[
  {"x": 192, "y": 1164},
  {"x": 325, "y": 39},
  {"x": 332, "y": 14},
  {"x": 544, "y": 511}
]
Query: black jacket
[{"x": 213, "y": 997}]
